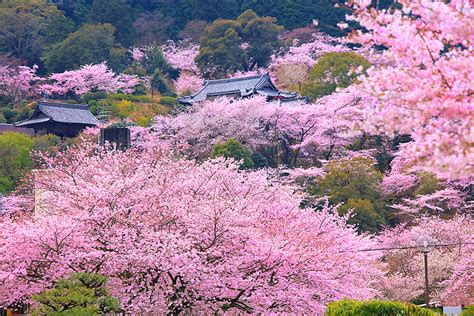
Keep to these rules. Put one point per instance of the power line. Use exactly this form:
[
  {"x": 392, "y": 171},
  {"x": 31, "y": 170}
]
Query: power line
[
  {"x": 425, "y": 249},
  {"x": 414, "y": 247}
]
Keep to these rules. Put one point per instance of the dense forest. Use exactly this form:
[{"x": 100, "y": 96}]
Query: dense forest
[{"x": 32, "y": 32}]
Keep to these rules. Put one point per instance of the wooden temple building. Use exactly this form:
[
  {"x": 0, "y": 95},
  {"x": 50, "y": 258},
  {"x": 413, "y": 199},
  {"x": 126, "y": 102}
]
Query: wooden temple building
[
  {"x": 241, "y": 88},
  {"x": 61, "y": 119}
]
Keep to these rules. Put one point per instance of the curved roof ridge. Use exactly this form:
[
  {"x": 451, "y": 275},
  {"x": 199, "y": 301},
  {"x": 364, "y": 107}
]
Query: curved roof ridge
[
  {"x": 238, "y": 78},
  {"x": 63, "y": 105}
]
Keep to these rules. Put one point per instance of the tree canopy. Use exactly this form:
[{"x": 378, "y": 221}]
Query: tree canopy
[
  {"x": 241, "y": 44},
  {"x": 91, "y": 44}
]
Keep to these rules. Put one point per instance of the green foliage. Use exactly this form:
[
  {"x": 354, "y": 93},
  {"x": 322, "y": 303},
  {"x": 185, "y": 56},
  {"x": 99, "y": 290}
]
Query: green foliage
[
  {"x": 15, "y": 159},
  {"x": 159, "y": 83},
  {"x": 91, "y": 44},
  {"x": 99, "y": 95},
  {"x": 232, "y": 148},
  {"x": 469, "y": 311},
  {"x": 261, "y": 33},
  {"x": 290, "y": 13},
  {"x": 260, "y": 161},
  {"x": 118, "y": 58},
  {"x": 130, "y": 97},
  {"x": 221, "y": 51},
  {"x": 116, "y": 12},
  {"x": 80, "y": 294},
  {"x": 139, "y": 109},
  {"x": 298, "y": 13},
  {"x": 427, "y": 184},
  {"x": 155, "y": 61},
  {"x": 167, "y": 100},
  {"x": 15, "y": 114},
  {"x": 333, "y": 70},
  {"x": 356, "y": 184},
  {"x": 347, "y": 307},
  {"x": 46, "y": 143},
  {"x": 58, "y": 29},
  {"x": 26, "y": 27}
]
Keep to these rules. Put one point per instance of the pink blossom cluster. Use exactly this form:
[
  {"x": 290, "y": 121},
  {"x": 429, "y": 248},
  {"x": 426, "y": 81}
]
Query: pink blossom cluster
[
  {"x": 17, "y": 82},
  {"x": 292, "y": 67},
  {"x": 318, "y": 130},
  {"x": 89, "y": 78},
  {"x": 308, "y": 53},
  {"x": 188, "y": 83},
  {"x": 459, "y": 286},
  {"x": 181, "y": 55},
  {"x": 177, "y": 236},
  {"x": 439, "y": 202},
  {"x": 248, "y": 73},
  {"x": 137, "y": 54},
  {"x": 428, "y": 92},
  {"x": 398, "y": 184}
]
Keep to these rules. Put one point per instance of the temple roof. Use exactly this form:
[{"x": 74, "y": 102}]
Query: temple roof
[
  {"x": 61, "y": 113},
  {"x": 243, "y": 86}
]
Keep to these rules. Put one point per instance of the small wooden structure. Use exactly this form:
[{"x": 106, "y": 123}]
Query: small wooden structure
[
  {"x": 61, "y": 119},
  {"x": 117, "y": 137}
]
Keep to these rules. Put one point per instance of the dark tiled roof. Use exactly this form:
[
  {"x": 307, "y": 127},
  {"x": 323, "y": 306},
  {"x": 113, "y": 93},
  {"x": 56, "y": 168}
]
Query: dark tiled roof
[
  {"x": 62, "y": 113},
  {"x": 243, "y": 87}
]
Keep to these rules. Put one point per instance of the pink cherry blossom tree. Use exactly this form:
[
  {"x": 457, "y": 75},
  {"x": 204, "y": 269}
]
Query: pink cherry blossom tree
[
  {"x": 176, "y": 236},
  {"x": 405, "y": 266},
  {"x": 314, "y": 131},
  {"x": 445, "y": 201},
  {"x": 17, "y": 82},
  {"x": 459, "y": 286},
  {"x": 89, "y": 78},
  {"x": 428, "y": 91},
  {"x": 446, "y": 198},
  {"x": 291, "y": 67},
  {"x": 398, "y": 184},
  {"x": 181, "y": 55},
  {"x": 188, "y": 83}
]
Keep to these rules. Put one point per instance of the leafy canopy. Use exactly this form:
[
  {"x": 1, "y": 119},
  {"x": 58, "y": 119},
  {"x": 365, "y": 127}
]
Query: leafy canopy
[
  {"x": 333, "y": 70},
  {"x": 91, "y": 44},
  {"x": 241, "y": 44},
  {"x": 355, "y": 183},
  {"x": 14, "y": 158}
]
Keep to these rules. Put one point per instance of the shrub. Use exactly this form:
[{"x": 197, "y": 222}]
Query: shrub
[
  {"x": 259, "y": 160},
  {"x": 232, "y": 148},
  {"x": 94, "y": 96},
  {"x": 80, "y": 294},
  {"x": 167, "y": 100},
  {"x": 347, "y": 307},
  {"x": 131, "y": 97}
]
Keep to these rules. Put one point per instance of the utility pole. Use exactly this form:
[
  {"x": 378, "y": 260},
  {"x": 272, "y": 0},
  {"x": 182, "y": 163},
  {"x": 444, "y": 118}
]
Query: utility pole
[
  {"x": 426, "y": 250},
  {"x": 427, "y": 293}
]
